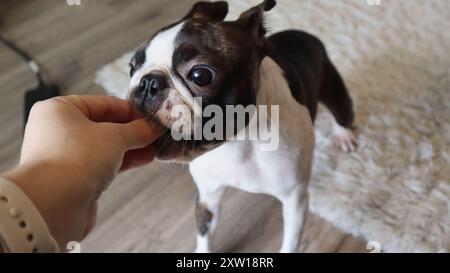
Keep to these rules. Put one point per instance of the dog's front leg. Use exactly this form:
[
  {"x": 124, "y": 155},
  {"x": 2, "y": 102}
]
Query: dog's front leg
[
  {"x": 207, "y": 215},
  {"x": 295, "y": 209}
]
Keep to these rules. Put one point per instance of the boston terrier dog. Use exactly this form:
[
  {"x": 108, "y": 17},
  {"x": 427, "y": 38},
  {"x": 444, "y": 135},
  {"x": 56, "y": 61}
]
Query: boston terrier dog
[{"x": 233, "y": 63}]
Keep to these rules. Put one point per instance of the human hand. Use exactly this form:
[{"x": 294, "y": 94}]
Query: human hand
[{"x": 73, "y": 148}]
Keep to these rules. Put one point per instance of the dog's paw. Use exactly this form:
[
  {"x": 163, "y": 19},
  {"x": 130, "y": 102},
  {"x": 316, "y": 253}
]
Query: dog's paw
[
  {"x": 202, "y": 244},
  {"x": 344, "y": 139},
  {"x": 202, "y": 250}
]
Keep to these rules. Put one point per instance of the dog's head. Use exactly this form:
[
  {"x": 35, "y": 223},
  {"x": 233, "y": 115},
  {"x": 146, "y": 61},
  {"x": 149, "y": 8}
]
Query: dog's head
[{"x": 200, "y": 56}]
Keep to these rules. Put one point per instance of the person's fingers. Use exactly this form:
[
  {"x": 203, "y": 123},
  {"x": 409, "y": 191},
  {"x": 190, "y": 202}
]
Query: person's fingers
[
  {"x": 138, "y": 134},
  {"x": 104, "y": 108},
  {"x": 137, "y": 158}
]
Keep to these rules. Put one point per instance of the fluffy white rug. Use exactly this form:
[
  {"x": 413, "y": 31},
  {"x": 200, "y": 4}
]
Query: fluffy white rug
[{"x": 395, "y": 60}]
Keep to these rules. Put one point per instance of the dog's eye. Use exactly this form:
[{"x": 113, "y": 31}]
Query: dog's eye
[{"x": 202, "y": 75}]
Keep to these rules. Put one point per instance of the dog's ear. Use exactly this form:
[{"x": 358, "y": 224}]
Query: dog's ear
[
  {"x": 216, "y": 11},
  {"x": 252, "y": 20}
]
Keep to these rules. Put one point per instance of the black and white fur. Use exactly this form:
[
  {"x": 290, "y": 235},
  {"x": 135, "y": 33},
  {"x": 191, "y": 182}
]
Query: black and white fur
[{"x": 290, "y": 69}]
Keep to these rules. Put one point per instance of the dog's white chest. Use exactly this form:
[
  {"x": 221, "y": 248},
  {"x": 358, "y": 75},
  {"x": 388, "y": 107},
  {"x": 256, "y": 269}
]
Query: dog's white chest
[{"x": 243, "y": 165}]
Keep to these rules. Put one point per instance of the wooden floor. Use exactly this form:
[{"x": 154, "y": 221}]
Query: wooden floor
[{"x": 150, "y": 209}]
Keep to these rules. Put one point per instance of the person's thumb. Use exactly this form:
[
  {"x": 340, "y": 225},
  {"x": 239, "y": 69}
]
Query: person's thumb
[{"x": 139, "y": 134}]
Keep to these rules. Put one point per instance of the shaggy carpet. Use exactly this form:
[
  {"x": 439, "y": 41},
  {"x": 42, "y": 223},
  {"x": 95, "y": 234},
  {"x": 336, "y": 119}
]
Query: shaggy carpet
[{"x": 394, "y": 57}]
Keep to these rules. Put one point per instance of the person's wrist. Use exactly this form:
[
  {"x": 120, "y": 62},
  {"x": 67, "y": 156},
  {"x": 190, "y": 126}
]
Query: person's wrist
[{"x": 48, "y": 186}]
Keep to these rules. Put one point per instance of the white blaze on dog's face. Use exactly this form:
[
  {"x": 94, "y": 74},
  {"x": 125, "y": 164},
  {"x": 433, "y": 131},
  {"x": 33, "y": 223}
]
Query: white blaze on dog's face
[{"x": 200, "y": 56}]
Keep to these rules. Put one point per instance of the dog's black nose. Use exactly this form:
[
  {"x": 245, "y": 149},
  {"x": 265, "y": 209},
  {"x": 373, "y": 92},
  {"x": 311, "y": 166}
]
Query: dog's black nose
[{"x": 151, "y": 83}]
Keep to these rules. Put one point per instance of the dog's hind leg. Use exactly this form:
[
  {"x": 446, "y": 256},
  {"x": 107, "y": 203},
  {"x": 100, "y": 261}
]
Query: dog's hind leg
[
  {"x": 334, "y": 95},
  {"x": 295, "y": 209},
  {"x": 207, "y": 216}
]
